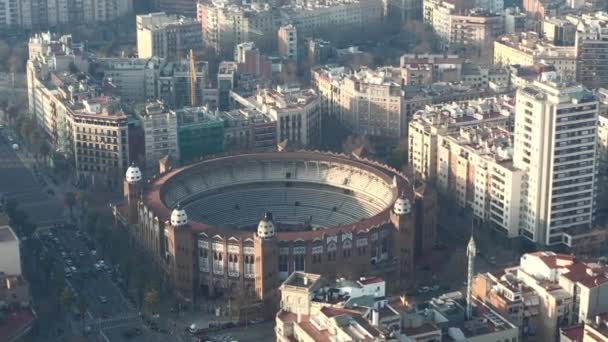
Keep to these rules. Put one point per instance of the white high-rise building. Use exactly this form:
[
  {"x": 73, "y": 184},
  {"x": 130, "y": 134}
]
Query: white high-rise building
[{"x": 555, "y": 144}]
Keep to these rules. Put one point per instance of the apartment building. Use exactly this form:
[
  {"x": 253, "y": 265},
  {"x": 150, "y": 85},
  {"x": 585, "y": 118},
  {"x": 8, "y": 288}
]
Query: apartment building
[
  {"x": 288, "y": 42},
  {"x": 602, "y": 149},
  {"x": 418, "y": 97},
  {"x": 227, "y": 78},
  {"x": 160, "y": 133},
  {"x": 546, "y": 292},
  {"x": 313, "y": 307},
  {"x": 101, "y": 142},
  {"x": 528, "y": 49},
  {"x": 510, "y": 297},
  {"x": 403, "y": 10},
  {"x": 515, "y": 20},
  {"x": 457, "y": 22},
  {"x": 559, "y": 31},
  {"x": 475, "y": 169},
  {"x": 226, "y": 24},
  {"x": 366, "y": 101},
  {"x": 247, "y": 129},
  {"x": 318, "y": 18},
  {"x": 592, "y": 50},
  {"x": 42, "y": 14},
  {"x": 428, "y": 124},
  {"x": 477, "y": 28},
  {"x": 180, "y": 7},
  {"x": 174, "y": 85},
  {"x": 10, "y": 11},
  {"x": 556, "y": 144},
  {"x": 297, "y": 113},
  {"x": 167, "y": 36},
  {"x": 590, "y": 331},
  {"x": 425, "y": 69},
  {"x": 200, "y": 133},
  {"x": 135, "y": 79}
]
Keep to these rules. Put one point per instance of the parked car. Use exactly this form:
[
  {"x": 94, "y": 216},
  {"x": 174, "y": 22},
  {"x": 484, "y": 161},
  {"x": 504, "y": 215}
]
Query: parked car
[{"x": 423, "y": 289}]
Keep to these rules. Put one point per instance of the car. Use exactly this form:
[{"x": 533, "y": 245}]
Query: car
[
  {"x": 193, "y": 329},
  {"x": 435, "y": 288},
  {"x": 69, "y": 262},
  {"x": 68, "y": 274},
  {"x": 73, "y": 269},
  {"x": 93, "y": 252},
  {"x": 103, "y": 299},
  {"x": 423, "y": 289}
]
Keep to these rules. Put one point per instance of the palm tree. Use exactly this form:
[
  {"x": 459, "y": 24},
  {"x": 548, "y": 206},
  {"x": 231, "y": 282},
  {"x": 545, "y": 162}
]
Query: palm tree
[{"x": 70, "y": 200}]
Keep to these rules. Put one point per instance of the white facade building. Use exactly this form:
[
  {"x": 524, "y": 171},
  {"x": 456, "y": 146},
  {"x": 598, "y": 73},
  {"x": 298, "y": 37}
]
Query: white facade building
[
  {"x": 167, "y": 36},
  {"x": 296, "y": 111},
  {"x": 556, "y": 143},
  {"x": 10, "y": 257},
  {"x": 160, "y": 133}
]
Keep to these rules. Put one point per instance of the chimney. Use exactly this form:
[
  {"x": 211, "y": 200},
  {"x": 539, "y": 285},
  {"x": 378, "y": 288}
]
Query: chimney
[
  {"x": 375, "y": 318},
  {"x": 598, "y": 320},
  {"x": 299, "y": 317},
  {"x": 305, "y": 280}
]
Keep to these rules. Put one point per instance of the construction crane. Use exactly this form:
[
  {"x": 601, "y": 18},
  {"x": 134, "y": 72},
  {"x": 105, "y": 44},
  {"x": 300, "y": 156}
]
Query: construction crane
[{"x": 193, "y": 80}]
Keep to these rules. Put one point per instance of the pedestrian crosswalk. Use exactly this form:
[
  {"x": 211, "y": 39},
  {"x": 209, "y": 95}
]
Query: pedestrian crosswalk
[{"x": 116, "y": 321}]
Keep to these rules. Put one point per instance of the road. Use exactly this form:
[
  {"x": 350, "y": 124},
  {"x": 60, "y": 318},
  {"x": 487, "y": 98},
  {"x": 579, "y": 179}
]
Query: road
[
  {"x": 17, "y": 182},
  {"x": 44, "y": 208}
]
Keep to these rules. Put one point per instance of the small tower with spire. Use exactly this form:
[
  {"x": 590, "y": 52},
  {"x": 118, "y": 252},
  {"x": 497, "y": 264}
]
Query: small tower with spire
[
  {"x": 132, "y": 187},
  {"x": 179, "y": 252},
  {"x": 402, "y": 242},
  {"x": 266, "y": 261},
  {"x": 471, "y": 253}
]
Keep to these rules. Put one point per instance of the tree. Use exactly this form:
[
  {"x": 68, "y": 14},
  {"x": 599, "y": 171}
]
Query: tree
[
  {"x": 45, "y": 150},
  {"x": 5, "y": 52},
  {"x": 398, "y": 157},
  {"x": 11, "y": 206},
  {"x": 69, "y": 200},
  {"x": 151, "y": 299},
  {"x": 67, "y": 298},
  {"x": 83, "y": 306},
  {"x": 354, "y": 142},
  {"x": 28, "y": 229},
  {"x": 12, "y": 112},
  {"x": 140, "y": 282},
  {"x": 82, "y": 199}
]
